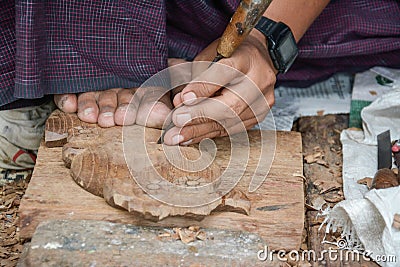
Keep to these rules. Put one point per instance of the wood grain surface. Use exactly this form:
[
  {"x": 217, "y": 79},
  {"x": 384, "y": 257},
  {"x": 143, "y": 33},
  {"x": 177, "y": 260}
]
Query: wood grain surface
[{"x": 276, "y": 213}]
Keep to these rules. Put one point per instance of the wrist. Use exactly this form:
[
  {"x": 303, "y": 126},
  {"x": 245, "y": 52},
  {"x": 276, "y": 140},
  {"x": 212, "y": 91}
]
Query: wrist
[
  {"x": 280, "y": 42},
  {"x": 259, "y": 36}
]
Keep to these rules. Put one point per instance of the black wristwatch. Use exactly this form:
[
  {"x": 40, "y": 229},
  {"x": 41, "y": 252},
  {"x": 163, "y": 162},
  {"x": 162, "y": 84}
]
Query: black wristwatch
[{"x": 280, "y": 41}]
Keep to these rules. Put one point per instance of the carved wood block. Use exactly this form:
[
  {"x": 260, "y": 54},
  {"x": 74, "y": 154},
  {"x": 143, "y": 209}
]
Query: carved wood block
[
  {"x": 276, "y": 211},
  {"x": 96, "y": 158}
]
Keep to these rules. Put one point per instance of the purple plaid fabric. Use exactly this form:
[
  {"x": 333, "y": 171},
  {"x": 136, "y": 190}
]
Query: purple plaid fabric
[
  {"x": 349, "y": 36},
  {"x": 60, "y": 46}
]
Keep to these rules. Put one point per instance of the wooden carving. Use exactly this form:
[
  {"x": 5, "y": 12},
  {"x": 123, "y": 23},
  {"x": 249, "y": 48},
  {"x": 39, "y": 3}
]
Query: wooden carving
[{"x": 96, "y": 159}]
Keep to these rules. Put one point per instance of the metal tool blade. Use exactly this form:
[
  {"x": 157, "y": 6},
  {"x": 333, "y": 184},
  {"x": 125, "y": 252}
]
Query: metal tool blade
[
  {"x": 169, "y": 127},
  {"x": 384, "y": 150}
]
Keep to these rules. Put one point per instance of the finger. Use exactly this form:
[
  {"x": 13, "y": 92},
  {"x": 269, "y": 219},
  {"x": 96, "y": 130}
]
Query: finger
[
  {"x": 66, "y": 102},
  {"x": 229, "y": 104},
  {"x": 88, "y": 111},
  {"x": 126, "y": 111},
  {"x": 177, "y": 135},
  {"x": 155, "y": 107},
  {"x": 195, "y": 133},
  {"x": 220, "y": 132},
  {"x": 208, "y": 82},
  {"x": 217, "y": 108},
  {"x": 107, "y": 102}
]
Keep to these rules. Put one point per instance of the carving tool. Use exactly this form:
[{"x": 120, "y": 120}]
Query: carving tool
[{"x": 242, "y": 22}]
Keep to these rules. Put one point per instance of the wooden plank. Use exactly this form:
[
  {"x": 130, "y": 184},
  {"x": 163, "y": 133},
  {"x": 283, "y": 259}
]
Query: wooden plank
[{"x": 277, "y": 207}]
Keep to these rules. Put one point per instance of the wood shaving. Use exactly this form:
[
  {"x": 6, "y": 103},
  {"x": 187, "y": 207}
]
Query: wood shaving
[
  {"x": 325, "y": 186},
  {"x": 396, "y": 221},
  {"x": 186, "y": 235},
  {"x": 317, "y": 156},
  {"x": 10, "y": 243},
  {"x": 366, "y": 181},
  {"x": 333, "y": 198}
]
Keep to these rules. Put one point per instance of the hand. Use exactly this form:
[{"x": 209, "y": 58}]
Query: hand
[{"x": 239, "y": 89}]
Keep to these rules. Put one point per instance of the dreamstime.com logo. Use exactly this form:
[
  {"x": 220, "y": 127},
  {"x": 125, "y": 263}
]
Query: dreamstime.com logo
[
  {"x": 143, "y": 164},
  {"x": 342, "y": 254}
]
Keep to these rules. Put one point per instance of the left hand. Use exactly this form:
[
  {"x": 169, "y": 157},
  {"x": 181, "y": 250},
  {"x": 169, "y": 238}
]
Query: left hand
[{"x": 237, "y": 89}]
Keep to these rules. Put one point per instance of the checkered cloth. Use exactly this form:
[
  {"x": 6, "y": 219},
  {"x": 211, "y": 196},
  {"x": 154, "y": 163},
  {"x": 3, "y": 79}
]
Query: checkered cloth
[{"x": 69, "y": 46}]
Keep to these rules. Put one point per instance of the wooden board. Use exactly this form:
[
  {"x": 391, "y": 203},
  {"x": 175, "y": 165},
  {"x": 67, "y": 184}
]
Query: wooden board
[{"x": 277, "y": 210}]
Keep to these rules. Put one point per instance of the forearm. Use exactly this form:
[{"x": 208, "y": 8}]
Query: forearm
[{"x": 297, "y": 14}]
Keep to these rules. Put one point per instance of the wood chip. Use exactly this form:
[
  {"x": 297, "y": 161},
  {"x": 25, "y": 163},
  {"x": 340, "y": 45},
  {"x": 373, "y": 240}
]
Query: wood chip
[
  {"x": 396, "y": 221},
  {"x": 313, "y": 157},
  {"x": 366, "y": 181},
  {"x": 325, "y": 186},
  {"x": 334, "y": 198},
  {"x": 194, "y": 228},
  {"x": 186, "y": 235},
  {"x": 10, "y": 197},
  {"x": 201, "y": 235}
]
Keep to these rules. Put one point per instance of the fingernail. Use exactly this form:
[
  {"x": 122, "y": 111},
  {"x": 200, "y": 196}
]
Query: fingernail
[
  {"x": 176, "y": 139},
  {"x": 108, "y": 114},
  {"x": 88, "y": 111},
  {"x": 122, "y": 107},
  {"x": 187, "y": 142},
  {"x": 182, "y": 119},
  {"x": 189, "y": 98}
]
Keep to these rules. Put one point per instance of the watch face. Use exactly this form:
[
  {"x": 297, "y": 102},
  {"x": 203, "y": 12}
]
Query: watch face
[{"x": 287, "y": 49}]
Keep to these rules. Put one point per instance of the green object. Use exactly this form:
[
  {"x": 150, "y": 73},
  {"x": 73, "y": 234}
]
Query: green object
[
  {"x": 355, "y": 112},
  {"x": 383, "y": 80}
]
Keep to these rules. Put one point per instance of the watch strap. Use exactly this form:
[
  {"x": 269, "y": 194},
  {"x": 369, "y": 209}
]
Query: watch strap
[{"x": 264, "y": 25}]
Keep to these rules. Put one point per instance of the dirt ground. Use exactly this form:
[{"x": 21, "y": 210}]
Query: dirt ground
[{"x": 10, "y": 243}]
